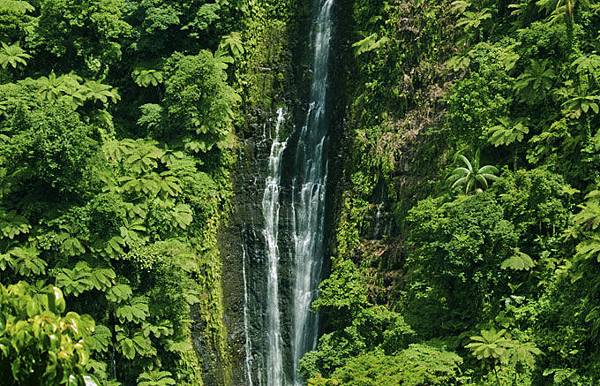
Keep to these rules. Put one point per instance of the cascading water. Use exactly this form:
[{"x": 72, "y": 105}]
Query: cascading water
[
  {"x": 309, "y": 193},
  {"x": 305, "y": 226},
  {"x": 270, "y": 210}
]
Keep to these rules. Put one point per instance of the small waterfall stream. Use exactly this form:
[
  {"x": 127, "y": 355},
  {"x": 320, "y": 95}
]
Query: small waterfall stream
[{"x": 270, "y": 210}]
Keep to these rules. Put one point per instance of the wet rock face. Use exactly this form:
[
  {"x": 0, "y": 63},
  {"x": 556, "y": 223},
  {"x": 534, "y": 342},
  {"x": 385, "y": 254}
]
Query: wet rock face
[
  {"x": 243, "y": 247},
  {"x": 245, "y": 266}
]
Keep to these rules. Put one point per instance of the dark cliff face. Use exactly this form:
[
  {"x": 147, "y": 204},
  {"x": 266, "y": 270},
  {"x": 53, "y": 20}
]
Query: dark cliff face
[{"x": 242, "y": 242}]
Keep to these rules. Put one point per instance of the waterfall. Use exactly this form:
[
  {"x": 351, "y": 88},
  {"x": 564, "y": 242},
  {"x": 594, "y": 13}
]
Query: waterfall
[
  {"x": 277, "y": 360},
  {"x": 309, "y": 193},
  {"x": 270, "y": 211}
]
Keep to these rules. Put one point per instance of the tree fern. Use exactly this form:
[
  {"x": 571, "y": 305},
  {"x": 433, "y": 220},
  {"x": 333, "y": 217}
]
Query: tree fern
[
  {"x": 15, "y": 7},
  {"x": 147, "y": 77},
  {"x": 156, "y": 378},
  {"x": 13, "y": 56},
  {"x": 506, "y": 133},
  {"x": 520, "y": 261},
  {"x": 135, "y": 311}
]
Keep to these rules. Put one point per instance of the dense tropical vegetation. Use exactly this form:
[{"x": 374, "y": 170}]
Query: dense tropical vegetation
[
  {"x": 474, "y": 130},
  {"x": 115, "y": 153},
  {"x": 467, "y": 243}
]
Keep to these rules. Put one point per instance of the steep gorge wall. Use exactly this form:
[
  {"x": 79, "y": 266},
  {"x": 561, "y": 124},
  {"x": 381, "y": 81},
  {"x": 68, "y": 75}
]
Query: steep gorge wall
[
  {"x": 276, "y": 75},
  {"x": 268, "y": 77}
]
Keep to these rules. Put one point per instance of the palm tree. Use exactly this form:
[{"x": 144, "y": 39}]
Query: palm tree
[{"x": 471, "y": 176}]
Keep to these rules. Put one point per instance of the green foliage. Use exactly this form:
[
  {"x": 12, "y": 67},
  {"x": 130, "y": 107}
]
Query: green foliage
[
  {"x": 458, "y": 249},
  {"x": 520, "y": 261},
  {"x": 518, "y": 80},
  {"x": 497, "y": 348},
  {"x": 491, "y": 344},
  {"x": 534, "y": 84},
  {"x": 147, "y": 78},
  {"x": 127, "y": 227},
  {"x": 50, "y": 145},
  {"x": 419, "y": 364},
  {"x": 64, "y": 28},
  {"x": 343, "y": 290},
  {"x": 198, "y": 101},
  {"x": 368, "y": 44},
  {"x": 13, "y": 56},
  {"x": 471, "y": 175},
  {"x": 37, "y": 344},
  {"x": 507, "y": 133},
  {"x": 156, "y": 378},
  {"x": 233, "y": 44}
]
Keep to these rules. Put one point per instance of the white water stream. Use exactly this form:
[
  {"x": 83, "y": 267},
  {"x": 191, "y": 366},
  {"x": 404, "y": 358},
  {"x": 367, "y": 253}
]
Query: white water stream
[
  {"x": 309, "y": 194},
  {"x": 308, "y": 190},
  {"x": 270, "y": 211}
]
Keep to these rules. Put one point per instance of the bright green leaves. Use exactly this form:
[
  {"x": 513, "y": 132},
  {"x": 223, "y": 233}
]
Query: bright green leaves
[
  {"x": 37, "y": 346},
  {"x": 64, "y": 27},
  {"x": 72, "y": 247},
  {"x": 491, "y": 344},
  {"x": 13, "y": 225},
  {"x": 588, "y": 65},
  {"x": 232, "y": 44},
  {"x": 344, "y": 290},
  {"x": 147, "y": 78},
  {"x": 199, "y": 101},
  {"x": 98, "y": 92},
  {"x": 52, "y": 145},
  {"x": 151, "y": 117},
  {"x": 472, "y": 17},
  {"x": 100, "y": 340},
  {"x": 204, "y": 17},
  {"x": 53, "y": 88},
  {"x": 498, "y": 348},
  {"x": 75, "y": 281},
  {"x": 589, "y": 216},
  {"x": 576, "y": 106},
  {"x": 136, "y": 345},
  {"x": 163, "y": 185},
  {"x": 419, "y": 364},
  {"x": 472, "y": 177},
  {"x": 13, "y": 56},
  {"x": 74, "y": 90},
  {"x": 507, "y": 132},
  {"x": 156, "y": 378},
  {"x": 17, "y": 7},
  {"x": 472, "y": 20},
  {"x": 368, "y": 44},
  {"x": 183, "y": 216},
  {"x": 586, "y": 225},
  {"x": 83, "y": 278},
  {"x": 520, "y": 261},
  {"x": 135, "y": 311},
  {"x": 119, "y": 293},
  {"x": 24, "y": 261},
  {"x": 138, "y": 156},
  {"x": 537, "y": 80}
]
